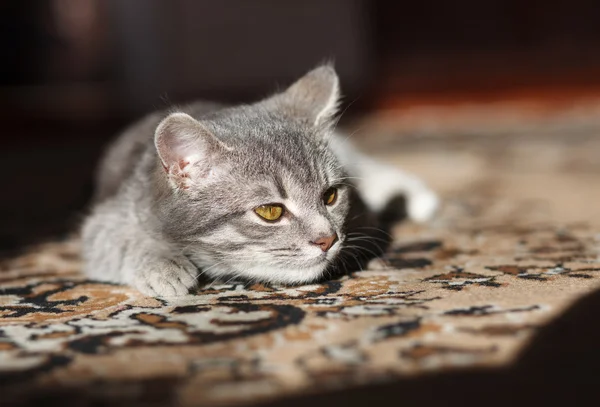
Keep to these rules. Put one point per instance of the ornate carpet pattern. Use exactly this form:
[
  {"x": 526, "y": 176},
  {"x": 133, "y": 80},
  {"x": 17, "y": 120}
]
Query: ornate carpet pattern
[{"x": 516, "y": 243}]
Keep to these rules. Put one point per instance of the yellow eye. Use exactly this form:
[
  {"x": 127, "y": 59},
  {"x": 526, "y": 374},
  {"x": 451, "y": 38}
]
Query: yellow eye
[
  {"x": 330, "y": 196},
  {"x": 269, "y": 212}
]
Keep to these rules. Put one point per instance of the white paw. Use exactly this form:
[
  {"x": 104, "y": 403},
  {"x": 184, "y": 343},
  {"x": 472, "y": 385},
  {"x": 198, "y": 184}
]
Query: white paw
[
  {"x": 422, "y": 205},
  {"x": 166, "y": 278}
]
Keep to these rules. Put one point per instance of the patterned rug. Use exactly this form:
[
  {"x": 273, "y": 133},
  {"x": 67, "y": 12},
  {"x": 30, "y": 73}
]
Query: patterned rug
[{"x": 515, "y": 244}]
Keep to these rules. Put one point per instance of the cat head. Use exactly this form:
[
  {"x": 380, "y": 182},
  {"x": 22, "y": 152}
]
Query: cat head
[{"x": 255, "y": 192}]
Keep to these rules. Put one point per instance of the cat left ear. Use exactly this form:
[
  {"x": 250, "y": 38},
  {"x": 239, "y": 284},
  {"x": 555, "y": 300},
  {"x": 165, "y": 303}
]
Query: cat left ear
[
  {"x": 314, "y": 97},
  {"x": 186, "y": 148}
]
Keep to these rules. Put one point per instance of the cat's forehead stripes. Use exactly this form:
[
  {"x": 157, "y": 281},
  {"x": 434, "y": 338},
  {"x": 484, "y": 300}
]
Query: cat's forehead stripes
[
  {"x": 280, "y": 187},
  {"x": 264, "y": 190}
]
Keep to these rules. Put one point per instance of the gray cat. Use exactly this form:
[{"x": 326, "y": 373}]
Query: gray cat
[{"x": 259, "y": 192}]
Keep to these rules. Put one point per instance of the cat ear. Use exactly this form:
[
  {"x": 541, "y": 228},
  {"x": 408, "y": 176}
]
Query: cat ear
[
  {"x": 315, "y": 96},
  {"x": 187, "y": 149}
]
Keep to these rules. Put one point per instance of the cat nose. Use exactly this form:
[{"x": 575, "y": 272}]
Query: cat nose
[{"x": 326, "y": 242}]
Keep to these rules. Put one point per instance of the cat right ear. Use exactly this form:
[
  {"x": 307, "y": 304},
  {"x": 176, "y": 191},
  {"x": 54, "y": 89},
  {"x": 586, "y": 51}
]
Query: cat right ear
[
  {"x": 314, "y": 97},
  {"x": 187, "y": 149}
]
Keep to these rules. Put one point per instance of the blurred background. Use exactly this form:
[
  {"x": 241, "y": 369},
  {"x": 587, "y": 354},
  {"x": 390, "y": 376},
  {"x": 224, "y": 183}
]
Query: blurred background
[{"x": 74, "y": 72}]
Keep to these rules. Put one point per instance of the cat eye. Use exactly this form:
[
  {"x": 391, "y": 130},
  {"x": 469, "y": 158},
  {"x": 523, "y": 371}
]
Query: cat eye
[
  {"x": 269, "y": 213},
  {"x": 330, "y": 196}
]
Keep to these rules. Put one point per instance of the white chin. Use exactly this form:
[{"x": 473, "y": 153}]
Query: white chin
[{"x": 283, "y": 275}]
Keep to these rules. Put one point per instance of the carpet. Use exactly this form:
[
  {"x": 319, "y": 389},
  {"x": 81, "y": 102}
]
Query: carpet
[{"x": 516, "y": 243}]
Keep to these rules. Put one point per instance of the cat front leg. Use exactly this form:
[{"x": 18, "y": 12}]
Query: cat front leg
[
  {"x": 121, "y": 252},
  {"x": 163, "y": 277}
]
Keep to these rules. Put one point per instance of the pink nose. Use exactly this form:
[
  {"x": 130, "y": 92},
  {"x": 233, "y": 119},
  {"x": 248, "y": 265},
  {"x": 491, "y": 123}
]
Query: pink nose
[{"x": 326, "y": 242}]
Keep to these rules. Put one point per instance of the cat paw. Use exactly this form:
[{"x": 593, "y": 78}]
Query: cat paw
[
  {"x": 422, "y": 205},
  {"x": 166, "y": 278}
]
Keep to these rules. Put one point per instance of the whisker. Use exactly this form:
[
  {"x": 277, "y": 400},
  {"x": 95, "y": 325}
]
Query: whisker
[
  {"x": 376, "y": 229},
  {"x": 203, "y": 271},
  {"x": 337, "y": 121},
  {"x": 358, "y": 263},
  {"x": 353, "y": 235},
  {"x": 365, "y": 249}
]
